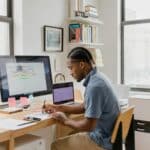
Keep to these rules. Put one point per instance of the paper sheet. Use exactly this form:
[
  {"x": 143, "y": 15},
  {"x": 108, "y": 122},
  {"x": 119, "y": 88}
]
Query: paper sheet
[
  {"x": 12, "y": 124},
  {"x": 39, "y": 115}
]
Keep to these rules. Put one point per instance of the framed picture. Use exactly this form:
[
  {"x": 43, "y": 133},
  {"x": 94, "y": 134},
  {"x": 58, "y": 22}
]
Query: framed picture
[{"x": 53, "y": 39}]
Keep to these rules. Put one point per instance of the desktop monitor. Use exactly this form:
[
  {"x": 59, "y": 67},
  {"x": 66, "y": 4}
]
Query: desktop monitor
[{"x": 24, "y": 75}]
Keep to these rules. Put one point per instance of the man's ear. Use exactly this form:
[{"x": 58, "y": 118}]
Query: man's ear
[{"x": 82, "y": 64}]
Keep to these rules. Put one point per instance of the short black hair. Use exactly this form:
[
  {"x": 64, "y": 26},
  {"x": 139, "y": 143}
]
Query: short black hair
[{"x": 81, "y": 53}]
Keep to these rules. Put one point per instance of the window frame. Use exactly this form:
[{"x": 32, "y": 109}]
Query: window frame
[
  {"x": 124, "y": 23},
  {"x": 9, "y": 19}
]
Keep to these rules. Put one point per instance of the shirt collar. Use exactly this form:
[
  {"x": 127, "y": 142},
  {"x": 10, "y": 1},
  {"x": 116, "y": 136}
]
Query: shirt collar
[{"x": 87, "y": 78}]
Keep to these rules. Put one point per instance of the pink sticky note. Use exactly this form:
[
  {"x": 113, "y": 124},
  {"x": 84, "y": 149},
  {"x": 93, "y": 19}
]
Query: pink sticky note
[
  {"x": 11, "y": 102},
  {"x": 24, "y": 101}
]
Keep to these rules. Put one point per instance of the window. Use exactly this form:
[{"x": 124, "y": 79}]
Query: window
[
  {"x": 3, "y": 7},
  {"x": 135, "y": 31},
  {"x": 6, "y": 28},
  {"x": 137, "y": 9}
]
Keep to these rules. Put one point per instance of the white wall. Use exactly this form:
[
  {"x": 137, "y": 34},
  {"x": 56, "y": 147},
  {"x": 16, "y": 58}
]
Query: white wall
[
  {"x": 109, "y": 11},
  {"x": 29, "y": 18}
]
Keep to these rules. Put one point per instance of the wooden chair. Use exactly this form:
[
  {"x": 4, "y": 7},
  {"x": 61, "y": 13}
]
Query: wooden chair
[{"x": 123, "y": 132}]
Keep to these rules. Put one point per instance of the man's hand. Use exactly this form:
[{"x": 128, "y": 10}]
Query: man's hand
[
  {"x": 69, "y": 109},
  {"x": 85, "y": 124},
  {"x": 60, "y": 116},
  {"x": 50, "y": 108}
]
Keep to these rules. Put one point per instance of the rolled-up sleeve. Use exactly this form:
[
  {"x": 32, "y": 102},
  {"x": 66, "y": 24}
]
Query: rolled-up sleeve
[{"x": 94, "y": 101}]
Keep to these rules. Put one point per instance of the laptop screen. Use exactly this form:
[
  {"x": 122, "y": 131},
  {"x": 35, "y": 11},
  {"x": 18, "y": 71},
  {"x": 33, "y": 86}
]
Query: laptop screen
[{"x": 63, "y": 92}]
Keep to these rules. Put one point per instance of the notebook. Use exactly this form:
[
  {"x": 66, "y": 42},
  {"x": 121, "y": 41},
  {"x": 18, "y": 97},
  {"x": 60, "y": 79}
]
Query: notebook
[
  {"x": 10, "y": 110},
  {"x": 63, "y": 93}
]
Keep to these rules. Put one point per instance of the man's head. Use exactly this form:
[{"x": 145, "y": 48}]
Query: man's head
[{"x": 80, "y": 62}]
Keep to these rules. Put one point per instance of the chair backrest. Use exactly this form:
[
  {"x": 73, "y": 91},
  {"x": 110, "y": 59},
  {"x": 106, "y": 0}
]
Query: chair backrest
[{"x": 124, "y": 119}]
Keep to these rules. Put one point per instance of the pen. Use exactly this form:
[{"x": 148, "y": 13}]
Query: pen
[
  {"x": 43, "y": 107},
  {"x": 26, "y": 123}
]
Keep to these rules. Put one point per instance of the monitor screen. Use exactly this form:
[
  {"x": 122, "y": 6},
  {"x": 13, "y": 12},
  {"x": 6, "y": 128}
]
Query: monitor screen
[{"x": 24, "y": 75}]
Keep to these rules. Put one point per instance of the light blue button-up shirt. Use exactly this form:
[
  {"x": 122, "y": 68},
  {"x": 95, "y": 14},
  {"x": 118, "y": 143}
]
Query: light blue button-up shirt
[{"x": 100, "y": 103}]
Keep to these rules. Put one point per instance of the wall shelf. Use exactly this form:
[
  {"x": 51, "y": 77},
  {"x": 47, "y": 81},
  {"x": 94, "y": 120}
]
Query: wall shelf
[
  {"x": 72, "y": 44},
  {"x": 86, "y": 20}
]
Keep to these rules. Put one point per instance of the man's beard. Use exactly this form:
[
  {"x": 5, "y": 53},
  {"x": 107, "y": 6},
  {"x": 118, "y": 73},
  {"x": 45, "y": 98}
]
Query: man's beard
[{"x": 78, "y": 80}]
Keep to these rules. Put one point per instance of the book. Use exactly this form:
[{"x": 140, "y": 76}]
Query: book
[
  {"x": 91, "y": 14},
  {"x": 90, "y": 8},
  {"x": 74, "y": 32}
]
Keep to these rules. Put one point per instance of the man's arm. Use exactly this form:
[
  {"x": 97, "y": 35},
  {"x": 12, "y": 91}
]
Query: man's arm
[
  {"x": 71, "y": 109},
  {"x": 86, "y": 124}
]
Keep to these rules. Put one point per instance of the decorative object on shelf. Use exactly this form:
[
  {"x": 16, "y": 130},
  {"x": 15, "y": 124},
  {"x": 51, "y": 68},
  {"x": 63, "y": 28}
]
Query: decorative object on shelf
[
  {"x": 81, "y": 14},
  {"x": 59, "y": 77},
  {"x": 99, "y": 58},
  {"x": 97, "y": 55},
  {"x": 73, "y": 7},
  {"x": 53, "y": 39},
  {"x": 83, "y": 8}
]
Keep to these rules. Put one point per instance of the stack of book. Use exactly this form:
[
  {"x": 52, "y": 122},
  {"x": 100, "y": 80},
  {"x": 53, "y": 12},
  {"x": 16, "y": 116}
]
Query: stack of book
[
  {"x": 83, "y": 9},
  {"x": 79, "y": 32},
  {"x": 91, "y": 11}
]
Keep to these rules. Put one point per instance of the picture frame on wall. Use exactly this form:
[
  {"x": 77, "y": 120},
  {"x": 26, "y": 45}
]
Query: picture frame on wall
[{"x": 53, "y": 39}]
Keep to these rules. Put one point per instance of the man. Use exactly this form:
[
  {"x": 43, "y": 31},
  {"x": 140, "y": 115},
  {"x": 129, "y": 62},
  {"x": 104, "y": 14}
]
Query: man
[{"x": 100, "y": 107}]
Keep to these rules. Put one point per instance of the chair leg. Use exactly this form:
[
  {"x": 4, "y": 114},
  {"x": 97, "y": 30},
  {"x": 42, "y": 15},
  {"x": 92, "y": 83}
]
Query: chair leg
[
  {"x": 118, "y": 142},
  {"x": 130, "y": 140}
]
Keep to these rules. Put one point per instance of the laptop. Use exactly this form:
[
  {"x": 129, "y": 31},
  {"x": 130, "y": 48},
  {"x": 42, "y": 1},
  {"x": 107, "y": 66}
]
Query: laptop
[{"x": 63, "y": 93}]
